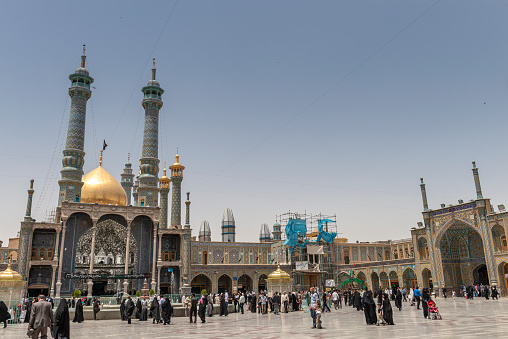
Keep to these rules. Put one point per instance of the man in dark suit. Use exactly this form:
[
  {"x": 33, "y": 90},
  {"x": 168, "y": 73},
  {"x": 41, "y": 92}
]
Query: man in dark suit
[{"x": 41, "y": 318}]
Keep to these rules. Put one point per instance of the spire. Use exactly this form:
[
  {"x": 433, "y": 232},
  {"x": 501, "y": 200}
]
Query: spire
[
  {"x": 228, "y": 226},
  {"x": 83, "y": 57},
  {"x": 100, "y": 159},
  {"x": 187, "y": 211},
  {"x": 153, "y": 70},
  {"x": 424, "y": 195},
  {"x": 28, "y": 214},
  {"x": 479, "y": 194}
]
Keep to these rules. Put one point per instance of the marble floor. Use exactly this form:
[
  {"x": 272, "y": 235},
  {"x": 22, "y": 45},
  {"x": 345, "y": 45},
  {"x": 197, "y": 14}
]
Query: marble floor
[{"x": 461, "y": 319}]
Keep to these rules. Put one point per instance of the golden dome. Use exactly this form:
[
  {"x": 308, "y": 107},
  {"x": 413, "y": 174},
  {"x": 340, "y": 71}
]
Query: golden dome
[
  {"x": 10, "y": 275},
  {"x": 101, "y": 187},
  {"x": 279, "y": 274}
]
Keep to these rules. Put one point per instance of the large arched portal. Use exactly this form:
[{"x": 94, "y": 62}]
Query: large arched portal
[
  {"x": 109, "y": 255},
  {"x": 427, "y": 279},
  {"x": 361, "y": 276},
  {"x": 384, "y": 280},
  {"x": 480, "y": 275},
  {"x": 461, "y": 249},
  {"x": 394, "y": 279},
  {"x": 262, "y": 282},
  {"x": 201, "y": 282}
]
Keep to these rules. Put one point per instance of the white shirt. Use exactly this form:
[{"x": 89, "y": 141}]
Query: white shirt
[{"x": 335, "y": 296}]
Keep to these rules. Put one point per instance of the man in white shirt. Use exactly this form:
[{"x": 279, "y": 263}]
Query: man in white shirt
[
  {"x": 335, "y": 298},
  {"x": 313, "y": 304},
  {"x": 284, "y": 300}
]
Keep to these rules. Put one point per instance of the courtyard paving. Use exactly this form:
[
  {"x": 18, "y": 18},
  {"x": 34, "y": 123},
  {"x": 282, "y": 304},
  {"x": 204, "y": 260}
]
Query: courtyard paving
[{"x": 461, "y": 319}]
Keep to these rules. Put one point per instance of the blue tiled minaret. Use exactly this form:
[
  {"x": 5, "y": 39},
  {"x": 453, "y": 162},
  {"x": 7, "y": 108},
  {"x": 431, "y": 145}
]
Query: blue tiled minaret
[
  {"x": 73, "y": 154},
  {"x": 128, "y": 181},
  {"x": 164, "y": 183},
  {"x": 149, "y": 163},
  {"x": 176, "y": 197}
]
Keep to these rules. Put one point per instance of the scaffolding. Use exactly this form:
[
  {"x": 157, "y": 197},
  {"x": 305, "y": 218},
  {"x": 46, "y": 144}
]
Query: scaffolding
[{"x": 325, "y": 267}]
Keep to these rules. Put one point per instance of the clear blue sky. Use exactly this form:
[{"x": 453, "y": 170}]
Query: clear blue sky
[{"x": 244, "y": 103}]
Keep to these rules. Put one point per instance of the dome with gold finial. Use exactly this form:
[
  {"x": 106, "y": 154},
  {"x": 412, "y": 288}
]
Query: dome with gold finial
[
  {"x": 278, "y": 274},
  {"x": 164, "y": 180},
  {"x": 102, "y": 188},
  {"x": 9, "y": 274}
]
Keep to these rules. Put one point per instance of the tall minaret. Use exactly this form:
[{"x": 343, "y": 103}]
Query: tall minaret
[
  {"x": 135, "y": 191},
  {"x": 276, "y": 232},
  {"x": 73, "y": 154},
  {"x": 28, "y": 214},
  {"x": 149, "y": 162},
  {"x": 128, "y": 180},
  {"x": 176, "y": 197},
  {"x": 164, "y": 182},
  {"x": 228, "y": 226}
]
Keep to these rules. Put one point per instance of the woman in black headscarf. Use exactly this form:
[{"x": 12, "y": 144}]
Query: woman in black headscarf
[
  {"x": 4, "y": 313},
  {"x": 369, "y": 308},
  {"x": 425, "y": 300},
  {"x": 398, "y": 299},
  {"x": 387, "y": 310},
  {"x": 61, "y": 329},
  {"x": 166, "y": 310},
  {"x": 357, "y": 301},
  {"x": 154, "y": 310},
  {"x": 253, "y": 303},
  {"x": 78, "y": 312}
]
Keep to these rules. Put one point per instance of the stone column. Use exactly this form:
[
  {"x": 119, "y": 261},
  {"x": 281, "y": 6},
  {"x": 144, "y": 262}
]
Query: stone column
[
  {"x": 52, "y": 291},
  {"x": 55, "y": 253},
  {"x": 160, "y": 247},
  {"x": 127, "y": 257},
  {"x": 159, "y": 280},
  {"x": 154, "y": 256},
  {"x": 92, "y": 258},
  {"x": 60, "y": 259}
]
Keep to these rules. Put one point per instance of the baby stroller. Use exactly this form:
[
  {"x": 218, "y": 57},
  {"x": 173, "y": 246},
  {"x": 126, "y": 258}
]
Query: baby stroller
[{"x": 433, "y": 311}]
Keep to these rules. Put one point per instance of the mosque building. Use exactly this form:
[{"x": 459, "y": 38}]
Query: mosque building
[{"x": 108, "y": 236}]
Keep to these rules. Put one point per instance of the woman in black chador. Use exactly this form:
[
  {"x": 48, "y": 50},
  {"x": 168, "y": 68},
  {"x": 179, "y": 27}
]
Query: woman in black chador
[
  {"x": 154, "y": 311},
  {"x": 78, "y": 312},
  {"x": 166, "y": 311},
  {"x": 138, "y": 308},
  {"x": 61, "y": 329},
  {"x": 369, "y": 308},
  {"x": 387, "y": 310},
  {"x": 398, "y": 299},
  {"x": 28, "y": 309},
  {"x": 357, "y": 301},
  {"x": 253, "y": 304},
  {"x": 4, "y": 313},
  {"x": 122, "y": 309},
  {"x": 223, "y": 307},
  {"x": 425, "y": 300}
]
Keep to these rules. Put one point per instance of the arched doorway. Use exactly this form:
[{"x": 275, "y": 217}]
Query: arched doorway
[
  {"x": 361, "y": 276},
  {"x": 383, "y": 277},
  {"x": 503, "y": 277},
  {"x": 409, "y": 278},
  {"x": 244, "y": 283},
  {"x": 480, "y": 275},
  {"x": 499, "y": 238},
  {"x": 427, "y": 279},
  {"x": 201, "y": 282},
  {"x": 375, "y": 281},
  {"x": 225, "y": 284},
  {"x": 394, "y": 279},
  {"x": 262, "y": 282},
  {"x": 342, "y": 277},
  {"x": 423, "y": 249}
]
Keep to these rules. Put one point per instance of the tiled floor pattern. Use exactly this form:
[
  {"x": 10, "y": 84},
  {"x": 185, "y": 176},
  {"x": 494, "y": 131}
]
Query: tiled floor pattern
[{"x": 461, "y": 319}]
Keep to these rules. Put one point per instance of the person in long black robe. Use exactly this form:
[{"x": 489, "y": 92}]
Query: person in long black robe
[
  {"x": 398, "y": 299},
  {"x": 494, "y": 293},
  {"x": 394, "y": 292},
  {"x": 138, "y": 308},
  {"x": 369, "y": 308},
  {"x": 62, "y": 326},
  {"x": 253, "y": 304},
  {"x": 4, "y": 313},
  {"x": 28, "y": 309},
  {"x": 425, "y": 300},
  {"x": 78, "y": 312},
  {"x": 129, "y": 309},
  {"x": 350, "y": 297},
  {"x": 166, "y": 311},
  {"x": 202, "y": 308},
  {"x": 223, "y": 306},
  {"x": 154, "y": 310},
  {"x": 122, "y": 310},
  {"x": 387, "y": 310},
  {"x": 357, "y": 301},
  {"x": 345, "y": 298}
]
